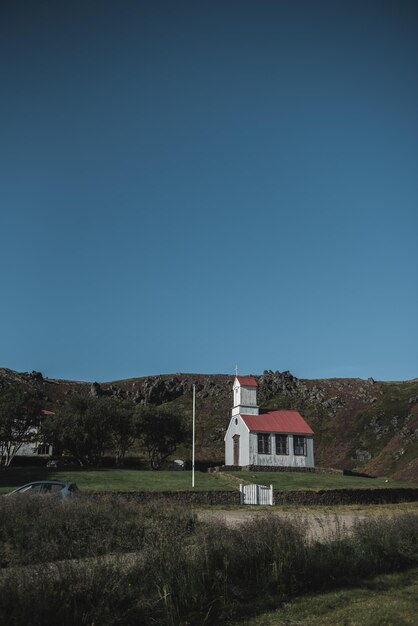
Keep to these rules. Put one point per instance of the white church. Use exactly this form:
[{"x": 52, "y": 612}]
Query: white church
[{"x": 272, "y": 439}]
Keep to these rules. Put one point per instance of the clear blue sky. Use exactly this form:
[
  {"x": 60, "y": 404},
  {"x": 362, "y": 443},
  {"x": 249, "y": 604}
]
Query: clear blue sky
[{"x": 186, "y": 186}]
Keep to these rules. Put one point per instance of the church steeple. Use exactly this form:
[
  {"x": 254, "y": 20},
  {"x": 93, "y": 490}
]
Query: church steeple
[{"x": 245, "y": 396}]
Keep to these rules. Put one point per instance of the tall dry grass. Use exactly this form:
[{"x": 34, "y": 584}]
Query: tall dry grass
[{"x": 167, "y": 568}]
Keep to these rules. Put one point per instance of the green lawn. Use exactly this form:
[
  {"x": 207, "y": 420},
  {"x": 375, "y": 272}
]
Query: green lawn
[
  {"x": 291, "y": 481},
  {"x": 108, "y": 479},
  {"x": 384, "y": 601},
  {"x": 117, "y": 479}
]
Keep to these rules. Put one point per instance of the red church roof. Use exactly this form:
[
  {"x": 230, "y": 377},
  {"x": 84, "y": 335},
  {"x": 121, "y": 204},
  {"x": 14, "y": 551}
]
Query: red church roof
[
  {"x": 278, "y": 422},
  {"x": 247, "y": 381}
]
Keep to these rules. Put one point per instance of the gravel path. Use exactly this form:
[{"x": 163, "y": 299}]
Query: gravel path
[{"x": 322, "y": 526}]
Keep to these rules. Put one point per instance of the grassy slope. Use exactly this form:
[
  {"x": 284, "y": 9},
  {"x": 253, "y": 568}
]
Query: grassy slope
[
  {"x": 384, "y": 600},
  {"x": 212, "y": 418},
  {"x": 399, "y": 452}
]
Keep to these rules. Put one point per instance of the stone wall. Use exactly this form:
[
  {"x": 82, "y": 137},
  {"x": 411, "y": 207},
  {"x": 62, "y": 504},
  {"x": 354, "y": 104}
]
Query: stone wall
[
  {"x": 327, "y": 497},
  {"x": 174, "y": 497},
  {"x": 277, "y": 468},
  {"x": 346, "y": 496}
]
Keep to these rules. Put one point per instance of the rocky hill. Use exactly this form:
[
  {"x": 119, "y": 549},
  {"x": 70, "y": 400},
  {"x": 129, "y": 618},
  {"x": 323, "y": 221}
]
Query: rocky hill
[{"x": 365, "y": 425}]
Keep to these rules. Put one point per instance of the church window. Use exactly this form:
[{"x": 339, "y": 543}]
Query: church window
[
  {"x": 299, "y": 445},
  {"x": 263, "y": 443},
  {"x": 282, "y": 444}
]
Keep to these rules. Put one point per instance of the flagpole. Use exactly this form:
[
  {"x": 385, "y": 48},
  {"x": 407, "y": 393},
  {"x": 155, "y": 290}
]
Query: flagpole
[{"x": 194, "y": 420}]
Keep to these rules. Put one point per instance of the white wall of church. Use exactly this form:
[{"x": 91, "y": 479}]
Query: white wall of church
[
  {"x": 281, "y": 460},
  {"x": 237, "y": 427}
]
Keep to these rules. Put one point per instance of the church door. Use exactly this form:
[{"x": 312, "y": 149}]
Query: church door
[{"x": 236, "y": 449}]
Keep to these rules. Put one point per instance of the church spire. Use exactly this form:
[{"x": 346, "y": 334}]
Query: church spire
[{"x": 245, "y": 396}]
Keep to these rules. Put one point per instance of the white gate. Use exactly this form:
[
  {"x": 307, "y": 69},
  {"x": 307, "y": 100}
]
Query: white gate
[{"x": 256, "y": 494}]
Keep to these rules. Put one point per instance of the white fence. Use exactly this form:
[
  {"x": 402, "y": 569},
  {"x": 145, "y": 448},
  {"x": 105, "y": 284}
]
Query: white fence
[{"x": 256, "y": 494}]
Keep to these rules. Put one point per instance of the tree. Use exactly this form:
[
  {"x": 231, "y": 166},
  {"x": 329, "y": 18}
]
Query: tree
[
  {"x": 81, "y": 427},
  {"x": 86, "y": 426},
  {"x": 160, "y": 432},
  {"x": 122, "y": 427},
  {"x": 19, "y": 420}
]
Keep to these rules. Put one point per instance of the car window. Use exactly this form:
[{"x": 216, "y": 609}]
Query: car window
[
  {"x": 31, "y": 488},
  {"x": 55, "y": 488},
  {"x": 51, "y": 488}
]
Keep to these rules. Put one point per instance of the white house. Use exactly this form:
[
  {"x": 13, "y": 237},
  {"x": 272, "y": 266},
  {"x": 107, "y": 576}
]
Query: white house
[
  {"x": 35, "y": 447},
  {"x": 274, "y": 438}
]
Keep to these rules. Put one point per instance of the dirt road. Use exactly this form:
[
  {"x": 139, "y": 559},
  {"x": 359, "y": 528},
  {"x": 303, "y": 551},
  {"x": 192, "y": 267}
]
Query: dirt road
[{"x": 321, "y": 526}]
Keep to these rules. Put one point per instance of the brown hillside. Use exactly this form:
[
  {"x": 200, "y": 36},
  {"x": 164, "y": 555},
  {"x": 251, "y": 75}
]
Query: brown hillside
[{"x": 359, "y": 424}]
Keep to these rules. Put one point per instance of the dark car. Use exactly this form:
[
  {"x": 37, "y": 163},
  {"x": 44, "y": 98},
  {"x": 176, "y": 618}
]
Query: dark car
[{"x": 58, "y": 488}]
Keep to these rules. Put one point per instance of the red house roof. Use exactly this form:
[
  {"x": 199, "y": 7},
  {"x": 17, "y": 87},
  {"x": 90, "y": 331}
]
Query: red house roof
[
  {"x": 247, "y": 381},
  {"x": 278, "y": 422}
]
